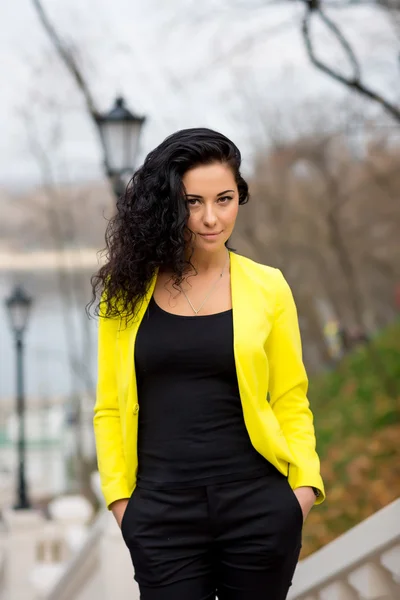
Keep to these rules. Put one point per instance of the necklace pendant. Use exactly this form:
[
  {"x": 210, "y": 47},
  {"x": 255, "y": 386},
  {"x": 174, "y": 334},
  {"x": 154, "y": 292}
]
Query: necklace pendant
[{"x": 212, "y": 288}]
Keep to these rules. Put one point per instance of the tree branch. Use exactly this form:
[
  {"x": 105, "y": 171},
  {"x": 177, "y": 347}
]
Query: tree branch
[
  {"x": 354, "y": 83},
  {"x": 343, "y": 42},
  {"x": 74, "y": 70}
]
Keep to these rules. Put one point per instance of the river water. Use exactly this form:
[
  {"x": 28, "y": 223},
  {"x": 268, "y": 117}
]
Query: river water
[
  {"x": 51, "y": 384},
  {"x": 53, "y": 334}
]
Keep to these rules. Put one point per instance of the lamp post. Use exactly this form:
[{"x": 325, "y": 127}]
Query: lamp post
[
  {"x": 18, "y": 306},
  {"x": 120, "y": 130}
]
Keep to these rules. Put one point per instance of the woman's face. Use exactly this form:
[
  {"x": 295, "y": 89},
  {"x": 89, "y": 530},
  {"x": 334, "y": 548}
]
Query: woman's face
[{"x": 213, "y": 200}]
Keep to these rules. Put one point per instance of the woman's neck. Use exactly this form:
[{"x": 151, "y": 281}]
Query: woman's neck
[{"x": 208, "y": 262}]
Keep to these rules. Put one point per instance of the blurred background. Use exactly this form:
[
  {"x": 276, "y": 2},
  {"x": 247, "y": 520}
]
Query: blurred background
[{"x": 310, "y": 92}]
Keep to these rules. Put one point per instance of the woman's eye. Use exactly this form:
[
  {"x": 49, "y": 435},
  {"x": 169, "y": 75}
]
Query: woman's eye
[{"x": 222, "y": 200}]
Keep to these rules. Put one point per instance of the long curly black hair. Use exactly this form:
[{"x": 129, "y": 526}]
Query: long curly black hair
[{"x": 149, "y": 229}]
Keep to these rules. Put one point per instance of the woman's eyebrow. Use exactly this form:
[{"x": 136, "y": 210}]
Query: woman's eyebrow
[{"x": 220, "y": 194}]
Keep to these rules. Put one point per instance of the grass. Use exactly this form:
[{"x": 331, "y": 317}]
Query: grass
[{"x": 357, "y": 424}]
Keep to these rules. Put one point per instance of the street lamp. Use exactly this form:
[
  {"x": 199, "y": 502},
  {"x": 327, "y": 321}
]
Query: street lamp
[
  {"x": 120, "y": 131},
  {"x": 18, "y": 307}
]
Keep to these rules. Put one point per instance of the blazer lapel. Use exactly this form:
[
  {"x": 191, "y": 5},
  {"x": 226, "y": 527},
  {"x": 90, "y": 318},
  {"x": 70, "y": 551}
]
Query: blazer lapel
[
  {"x": 242, "y": 309},
  {"x": 250, "y": 328},
  {"x": 127, "y": 337}
]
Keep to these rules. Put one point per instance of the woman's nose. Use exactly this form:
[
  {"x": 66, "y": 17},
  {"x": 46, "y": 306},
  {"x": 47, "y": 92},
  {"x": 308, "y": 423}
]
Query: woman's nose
[{"x": 209, "y": 217}]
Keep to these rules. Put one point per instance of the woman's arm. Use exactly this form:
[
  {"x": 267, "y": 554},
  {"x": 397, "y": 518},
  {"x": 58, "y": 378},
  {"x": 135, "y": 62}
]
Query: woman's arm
[
  {"x": 288, "y": 391},
  {"x": 107, "y": 425}
]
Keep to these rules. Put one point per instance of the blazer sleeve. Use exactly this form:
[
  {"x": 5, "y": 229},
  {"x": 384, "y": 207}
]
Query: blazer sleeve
[
  {"x": 288, "y": 391},
  {"x": 106, "y": 421}
]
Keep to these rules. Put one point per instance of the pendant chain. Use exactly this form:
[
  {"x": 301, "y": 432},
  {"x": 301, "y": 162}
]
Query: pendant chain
[{"x": 209, "y": 293}]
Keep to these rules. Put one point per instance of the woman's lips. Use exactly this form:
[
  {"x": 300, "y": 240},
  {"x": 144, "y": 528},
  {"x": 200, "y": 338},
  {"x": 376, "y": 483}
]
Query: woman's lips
[{"x": 210, "y": 235}]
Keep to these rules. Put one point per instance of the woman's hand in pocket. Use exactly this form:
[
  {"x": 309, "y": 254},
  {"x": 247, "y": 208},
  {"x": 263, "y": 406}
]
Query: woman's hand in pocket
[
  {"x": 118, "y": 509},
  {"x": 306, "y": 498}
]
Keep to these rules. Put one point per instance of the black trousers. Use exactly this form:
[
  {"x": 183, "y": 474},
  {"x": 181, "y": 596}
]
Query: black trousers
[{"x": 237, "y": 541}]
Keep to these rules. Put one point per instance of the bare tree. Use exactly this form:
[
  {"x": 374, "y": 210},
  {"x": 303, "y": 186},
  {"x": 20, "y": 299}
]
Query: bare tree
[{"x": 71, "y": 285}]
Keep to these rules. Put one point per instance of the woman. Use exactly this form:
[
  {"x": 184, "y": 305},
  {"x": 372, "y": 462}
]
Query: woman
[{"x": 204, "y": 435}]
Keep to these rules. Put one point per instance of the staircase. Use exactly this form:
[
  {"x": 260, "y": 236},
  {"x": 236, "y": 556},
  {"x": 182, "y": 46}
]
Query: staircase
[{"x": 362, "y": 564}]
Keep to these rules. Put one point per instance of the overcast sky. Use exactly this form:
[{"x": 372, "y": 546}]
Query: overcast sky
[{"x": 182, "y": 63}]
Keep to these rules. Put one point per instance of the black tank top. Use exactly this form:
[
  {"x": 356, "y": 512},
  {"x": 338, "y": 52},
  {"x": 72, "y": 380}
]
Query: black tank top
[{"x": 191, "y": 425}]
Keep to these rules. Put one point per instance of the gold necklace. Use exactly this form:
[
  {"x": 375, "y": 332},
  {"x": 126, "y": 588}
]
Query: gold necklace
[{"x": 212, "y": 288}]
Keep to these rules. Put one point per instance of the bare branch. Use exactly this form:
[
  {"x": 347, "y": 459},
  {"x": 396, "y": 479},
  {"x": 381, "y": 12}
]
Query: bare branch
[
  {"x": 66, "y": 56},
  {"x": 354, "y": 83},
  {"x": 70, "y": 62},
  {"x": 343, "y": 42}
]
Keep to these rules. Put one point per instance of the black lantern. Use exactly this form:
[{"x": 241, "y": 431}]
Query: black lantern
[
  {"x": 120, "y": 130},
  {"x": 18, "y": 306}
]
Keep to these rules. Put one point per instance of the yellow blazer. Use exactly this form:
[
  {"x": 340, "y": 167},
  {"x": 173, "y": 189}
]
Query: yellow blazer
[{"x": 271, "y": 377}]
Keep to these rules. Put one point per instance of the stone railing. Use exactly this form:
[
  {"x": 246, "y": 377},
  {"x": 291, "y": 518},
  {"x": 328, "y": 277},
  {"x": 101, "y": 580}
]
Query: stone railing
[
  {"x": 36, "y": 551},
  {"x": 78, "y": 572},
  {"x": 362, "y": 564},
  {"x": 101, "y": 569}
]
